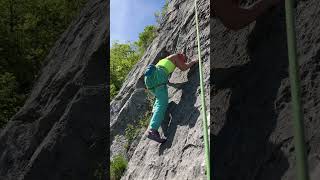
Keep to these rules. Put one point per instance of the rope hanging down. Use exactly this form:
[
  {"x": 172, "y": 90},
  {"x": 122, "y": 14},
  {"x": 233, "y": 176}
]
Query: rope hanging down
[
  {"x": 203, "y": 109},
  {"x": 302, "y": 166}
]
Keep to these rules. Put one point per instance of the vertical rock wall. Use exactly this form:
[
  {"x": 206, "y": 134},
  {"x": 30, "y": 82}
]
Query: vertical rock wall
[
  {"x": 182, "y": 156},
  {"x": 60, "y": 132},
  {"x": 252, "y": 130}
]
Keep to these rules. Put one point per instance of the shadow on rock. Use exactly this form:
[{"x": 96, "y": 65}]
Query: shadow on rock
[
  {"x": 241, "y": 149},
  {"x": 184, "y": 113}
]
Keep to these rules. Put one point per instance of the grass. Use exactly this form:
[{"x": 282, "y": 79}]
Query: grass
[
  {"x": 132, "y": 132},
  {"x": 117, "y": 167},
  {"x": 119, "y": 164},
  {"x": 144, "y": 122}
]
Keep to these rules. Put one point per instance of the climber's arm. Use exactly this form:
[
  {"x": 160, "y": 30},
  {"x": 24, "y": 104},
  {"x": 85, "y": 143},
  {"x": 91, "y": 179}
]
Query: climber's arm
[
  {"x": 235, "y": 17},
  {"x": 184, "y": 66}
]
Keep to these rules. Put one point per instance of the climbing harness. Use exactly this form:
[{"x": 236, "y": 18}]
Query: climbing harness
[
  {"x": 204, "y": 116},
  {"x": 302, "y": 166},
  {"x": 149, "y": 72}
]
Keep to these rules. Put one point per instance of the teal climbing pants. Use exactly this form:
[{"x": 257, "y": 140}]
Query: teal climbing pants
[{"x": 157, "y": 84}]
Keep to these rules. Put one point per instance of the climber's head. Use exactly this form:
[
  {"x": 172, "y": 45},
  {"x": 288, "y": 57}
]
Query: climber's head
[{"x": 182, "y": 57}]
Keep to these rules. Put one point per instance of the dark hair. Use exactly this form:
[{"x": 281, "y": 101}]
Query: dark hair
[
  {"x": 164, "y": 53},
  {"x": 161, "y": 55}
]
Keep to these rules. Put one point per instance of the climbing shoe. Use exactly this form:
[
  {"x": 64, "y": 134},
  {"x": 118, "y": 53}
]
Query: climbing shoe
[{"x": 154, "y": 135}]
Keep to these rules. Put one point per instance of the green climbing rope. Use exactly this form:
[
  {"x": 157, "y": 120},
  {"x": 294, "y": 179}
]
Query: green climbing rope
[
  {"x": 302, "y": 166},
  {"x": 204, "y": 116}
]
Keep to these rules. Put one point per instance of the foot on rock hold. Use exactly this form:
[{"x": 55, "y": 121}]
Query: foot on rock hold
[{"x": 154, "y": 135}]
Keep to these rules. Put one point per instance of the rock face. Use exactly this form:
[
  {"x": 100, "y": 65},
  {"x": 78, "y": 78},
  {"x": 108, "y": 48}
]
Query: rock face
[
  {"x": 182, "y": 156},
  {"x": 60, "y": 131},
  {"x": 252, "y": 130},
  {"x": 251, "y": 124}
]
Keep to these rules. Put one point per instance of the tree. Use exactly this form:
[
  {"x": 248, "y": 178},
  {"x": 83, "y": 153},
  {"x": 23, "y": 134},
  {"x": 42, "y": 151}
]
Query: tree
[
  {"x": 28, "y": 30},
  {"x": 159, "y": 15},
  {"x": 10, "y": 101},
  {"x": 122, "y": 58},
  {"x": 145, "y": 39}
]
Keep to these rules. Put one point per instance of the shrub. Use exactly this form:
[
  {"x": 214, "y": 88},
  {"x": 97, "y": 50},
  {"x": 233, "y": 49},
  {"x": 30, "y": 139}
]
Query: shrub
[
  {"x": 117, "y": 167},
  {"x": 144, "y": 122},
  {"x": 145, "y": 39},
  {"x": 131, "y": 133},
  {"x": 123, "y": 57}
]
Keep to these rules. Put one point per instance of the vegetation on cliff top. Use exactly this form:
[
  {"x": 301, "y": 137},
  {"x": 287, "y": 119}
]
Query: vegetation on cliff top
[
  {"x": 28, "y": 30},
  {"x": 123, "y": 56}
]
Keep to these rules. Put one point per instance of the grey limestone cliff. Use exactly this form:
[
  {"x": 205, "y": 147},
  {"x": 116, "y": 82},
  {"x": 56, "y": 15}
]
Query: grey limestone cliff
[
  {"x": 182, "y": 156},
  {"x": 60, "y": 132},
  {"x": 251, "y": 113}
]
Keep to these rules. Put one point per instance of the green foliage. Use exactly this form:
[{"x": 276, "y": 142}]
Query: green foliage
[
  {"x": 113, "y": 90},
  {"x": 124, "y": 56},
  {"x": 145, "y": 39},
  {"x": 28, "y": 30},
  {"x": 117, "y": 167},
  {"x": 159, "y": 15},
  {"x": 10, "y": 100},
  {"x": 131, "y": 132},
  {"x": 144, "y": 122}
]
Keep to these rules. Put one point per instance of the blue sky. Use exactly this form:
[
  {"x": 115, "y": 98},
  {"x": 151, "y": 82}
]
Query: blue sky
[{"x": 129, "y": 17}]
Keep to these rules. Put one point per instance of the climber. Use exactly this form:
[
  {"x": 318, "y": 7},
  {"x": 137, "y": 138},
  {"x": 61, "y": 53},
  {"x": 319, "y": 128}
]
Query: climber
[
  {"x": 234, "y": 17},
  {"x": 156, "y": 79}
]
